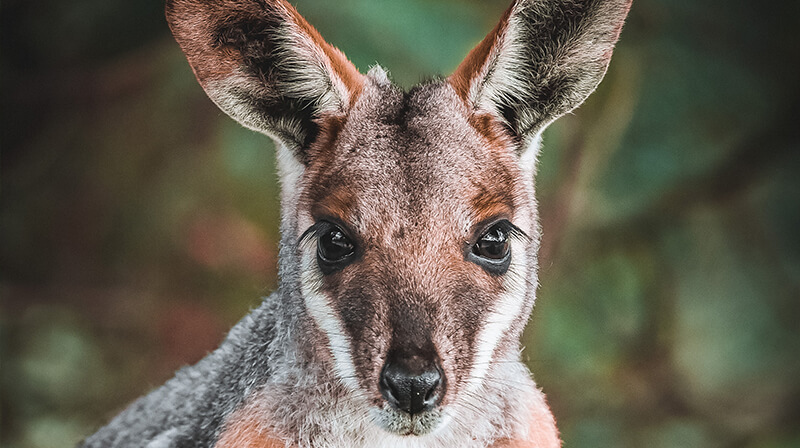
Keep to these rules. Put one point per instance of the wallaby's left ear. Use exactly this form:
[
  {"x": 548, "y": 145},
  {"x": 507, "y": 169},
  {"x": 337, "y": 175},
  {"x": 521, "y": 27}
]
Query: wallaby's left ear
[
  {"x": 264, "y": 65},
  {"x": 541, "y": 61}
]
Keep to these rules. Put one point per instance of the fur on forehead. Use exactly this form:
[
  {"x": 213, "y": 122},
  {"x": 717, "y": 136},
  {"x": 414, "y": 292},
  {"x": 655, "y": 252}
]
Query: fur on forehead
[
  {"x": 417, "y": 121},
  {"x": 411, "y": 152}
]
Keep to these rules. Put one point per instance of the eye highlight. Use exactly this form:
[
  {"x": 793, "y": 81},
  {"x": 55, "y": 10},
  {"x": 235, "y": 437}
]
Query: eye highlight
[
  {"x": 335, "y": 249},
  {"x": 492, "y": 250}
]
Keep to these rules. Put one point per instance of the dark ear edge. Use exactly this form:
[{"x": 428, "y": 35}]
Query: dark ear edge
[
  {"x": 541, "y": 61},
  {"x": 264, "y": 65}
]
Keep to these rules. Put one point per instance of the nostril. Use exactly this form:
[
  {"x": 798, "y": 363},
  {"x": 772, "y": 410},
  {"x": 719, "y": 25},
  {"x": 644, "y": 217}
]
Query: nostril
[
  {"x": 432, "y": 392},
  {"x": 411, "y": 391},
  {"x": 389, "y": 390}
]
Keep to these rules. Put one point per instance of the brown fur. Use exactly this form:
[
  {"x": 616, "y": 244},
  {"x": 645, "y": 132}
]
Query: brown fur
[
  {"x": 542, "y": 432},
  {"x": 341, "y": 65},
  {"x": 245, "y": 429},
  {"x": 492, "y": 129},
  {"x": 193, "y": 34},
  {"x": 474, "y": 63}
]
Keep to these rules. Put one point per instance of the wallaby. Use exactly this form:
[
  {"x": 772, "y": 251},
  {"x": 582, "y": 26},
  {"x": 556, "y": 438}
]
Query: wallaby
[{"x": 408, "y": 259}]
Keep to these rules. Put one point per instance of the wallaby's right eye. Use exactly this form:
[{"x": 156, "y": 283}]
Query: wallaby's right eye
[{"x": 334, "y": 248}]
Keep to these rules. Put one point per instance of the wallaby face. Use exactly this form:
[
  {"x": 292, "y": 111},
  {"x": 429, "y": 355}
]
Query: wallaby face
[
  {"x": 420, "y": 244},
  {"x": 408, "y": 257}
]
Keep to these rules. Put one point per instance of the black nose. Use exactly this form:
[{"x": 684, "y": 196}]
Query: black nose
[{"x": 412, "y": 384}]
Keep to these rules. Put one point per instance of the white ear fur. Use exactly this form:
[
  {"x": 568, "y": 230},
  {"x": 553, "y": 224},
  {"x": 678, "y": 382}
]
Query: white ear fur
[
  {"x": 542, "y": 61},
  {"x": 264, "y": 65}
]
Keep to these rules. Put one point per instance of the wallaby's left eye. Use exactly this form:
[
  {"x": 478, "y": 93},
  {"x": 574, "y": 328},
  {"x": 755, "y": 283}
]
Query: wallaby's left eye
[{"x": 492, "y": 251}]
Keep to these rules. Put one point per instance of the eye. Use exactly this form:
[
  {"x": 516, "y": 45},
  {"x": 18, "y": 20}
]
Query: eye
[
  {"x": 492, "y": 251},
  {"x": 493, "y": 244},
  {"x": 334, "y": 248}
]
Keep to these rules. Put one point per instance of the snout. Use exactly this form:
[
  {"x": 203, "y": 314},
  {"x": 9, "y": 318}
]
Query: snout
[{"x": 413, "y": 384}]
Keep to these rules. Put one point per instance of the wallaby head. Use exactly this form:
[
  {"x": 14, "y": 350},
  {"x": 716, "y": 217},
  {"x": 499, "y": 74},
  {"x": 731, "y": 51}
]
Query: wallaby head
[{"x": 410, "y": 236}]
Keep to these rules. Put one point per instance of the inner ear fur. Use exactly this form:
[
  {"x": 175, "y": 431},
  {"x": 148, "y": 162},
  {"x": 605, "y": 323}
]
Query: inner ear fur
[
  {"x": 541, "y": 61},
  {"x": 265, "y": 65}
]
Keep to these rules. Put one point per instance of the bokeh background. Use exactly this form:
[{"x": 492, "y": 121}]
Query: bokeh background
[{"x": 139, "y": 223}]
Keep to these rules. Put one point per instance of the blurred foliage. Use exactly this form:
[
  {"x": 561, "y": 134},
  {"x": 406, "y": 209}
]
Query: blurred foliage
[{"x": 139, "y": 223}]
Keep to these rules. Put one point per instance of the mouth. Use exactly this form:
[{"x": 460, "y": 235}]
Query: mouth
[{"x": 403, "y": 424}]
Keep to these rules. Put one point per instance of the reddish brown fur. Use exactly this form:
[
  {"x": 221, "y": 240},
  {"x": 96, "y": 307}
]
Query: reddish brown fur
[
  {"x": 338, "y": 201},
  {"x": 337, "y": 204},
  {"x": 350, "y": 76},
  {"x": 492, "y": 204},
  {"x": 495, "y": 199},
  {"x": 244, "y": 430},
  {"x": 492, "y": 130},
  {"x": 195, "y": 38},
  {"x": 473, "y": 64},
  {"x": 329, "y": 128},
  {"x": 462, "y": 79},
  {"x": 542, "y": 432}
]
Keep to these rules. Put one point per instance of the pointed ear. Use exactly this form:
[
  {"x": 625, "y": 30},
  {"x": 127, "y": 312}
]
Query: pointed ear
[
  {"x": 264, "y": 65},
  {"x": 541, "y": 61}
]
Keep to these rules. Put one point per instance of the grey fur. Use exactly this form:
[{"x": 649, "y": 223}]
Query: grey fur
[{"x": 188, "y": 410}]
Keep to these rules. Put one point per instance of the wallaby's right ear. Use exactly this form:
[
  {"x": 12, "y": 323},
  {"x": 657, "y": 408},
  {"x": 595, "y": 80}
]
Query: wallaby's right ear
[{"x": 264, "y": 65}]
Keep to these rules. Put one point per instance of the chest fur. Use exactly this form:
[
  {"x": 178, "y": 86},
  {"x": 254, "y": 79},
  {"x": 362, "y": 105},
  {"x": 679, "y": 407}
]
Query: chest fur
[{"x": 263, "y": 423}]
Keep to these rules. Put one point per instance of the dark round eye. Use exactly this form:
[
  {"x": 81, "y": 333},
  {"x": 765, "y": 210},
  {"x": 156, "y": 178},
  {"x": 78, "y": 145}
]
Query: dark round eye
[
  {"x": 493, "y": 244},
  {"x": 334, "y": 248},
  {"x": 491, "y": 251}
]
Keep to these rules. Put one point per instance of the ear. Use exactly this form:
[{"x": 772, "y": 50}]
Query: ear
[
  {"x": 541, "y": 61},
  {"x": 264, "y": 65}
]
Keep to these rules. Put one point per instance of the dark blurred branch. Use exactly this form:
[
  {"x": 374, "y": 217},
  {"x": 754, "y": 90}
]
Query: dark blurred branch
[
  {"x": 750, "y": 162},
  {"x": 746, "y": 164},
  {"x": 555, "y": 213},
  {"x": 771, "y": 149}
]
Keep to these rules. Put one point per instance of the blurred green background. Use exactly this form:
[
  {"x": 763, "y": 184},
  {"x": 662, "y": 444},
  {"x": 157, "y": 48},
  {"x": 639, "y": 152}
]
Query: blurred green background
[{"x": 139, "y": 223}]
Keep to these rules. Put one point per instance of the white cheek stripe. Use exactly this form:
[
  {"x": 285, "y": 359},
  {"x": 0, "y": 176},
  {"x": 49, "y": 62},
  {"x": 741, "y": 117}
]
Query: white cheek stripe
[
  {"x": 327, "y": 320},
  {"x": 498, "y": 322},
  {"x": 290, "y": 170}
]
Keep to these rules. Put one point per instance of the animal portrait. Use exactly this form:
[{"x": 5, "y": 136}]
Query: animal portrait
[
  {"x": 399, "y": 223},
  {"x": 409, "y": 251}
]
